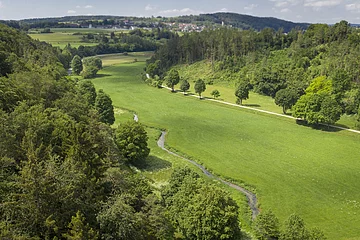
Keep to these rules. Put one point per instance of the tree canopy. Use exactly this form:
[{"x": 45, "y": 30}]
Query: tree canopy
[{"x": 200, "y": 87}]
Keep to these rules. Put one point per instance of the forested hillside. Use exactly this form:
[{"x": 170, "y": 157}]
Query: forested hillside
[
  {"x": 242, "y": 21},
  {"x": 65, "y": 172},
  {"x": 314, "y": 72},
  {"x": 210, "y": 20}
]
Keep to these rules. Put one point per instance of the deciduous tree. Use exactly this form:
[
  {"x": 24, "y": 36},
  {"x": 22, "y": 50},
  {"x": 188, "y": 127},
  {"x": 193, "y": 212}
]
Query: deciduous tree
[
  {"x": 172, "y": 79},
  {"x": 104, "y": 107},
  {"x": 286, "y": 98},
  {"x": 76, "y": 65},
  {"x": 131, "y": 139},
  {"x": 215, "y": 93},
  {"x": 242, "y": 92},
  {"x": 200, "y": 87},
  {"x": 267, "y": 226},
  {"x": 184, "y": 85}
]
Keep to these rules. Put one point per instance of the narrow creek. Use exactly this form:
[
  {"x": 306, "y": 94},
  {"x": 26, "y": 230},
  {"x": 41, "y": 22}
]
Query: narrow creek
[{"x": 251, "y": 197}]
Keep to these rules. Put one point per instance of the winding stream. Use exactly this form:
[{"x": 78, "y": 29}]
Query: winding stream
[{"x": 252, "y": 200}]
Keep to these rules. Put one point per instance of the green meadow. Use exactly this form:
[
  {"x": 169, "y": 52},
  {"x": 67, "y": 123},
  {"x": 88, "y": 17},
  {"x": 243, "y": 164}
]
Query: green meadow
[
  {"x": 117, "y": 58},
  {"x": 60, "y": 39},
  {"x": 292, "y": 168}
]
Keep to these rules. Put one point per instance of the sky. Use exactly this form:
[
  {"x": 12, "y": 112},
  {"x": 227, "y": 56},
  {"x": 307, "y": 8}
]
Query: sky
[{"x": 311, "y": 11}]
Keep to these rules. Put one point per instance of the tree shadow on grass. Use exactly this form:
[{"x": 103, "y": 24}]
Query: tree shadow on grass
[
  {"x": 251, "y": 105},
  {"x": 321, "y": 127},
  {"x": 152, "y": 164},
  {"x": 102, "y": 75}
]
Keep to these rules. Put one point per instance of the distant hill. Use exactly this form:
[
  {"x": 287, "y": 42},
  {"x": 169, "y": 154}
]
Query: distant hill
[
  {"x": 230, "y": 19},
  {"x": 245, "y": 21}
]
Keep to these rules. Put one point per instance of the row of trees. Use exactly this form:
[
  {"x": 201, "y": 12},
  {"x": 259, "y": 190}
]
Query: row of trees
[{"x": 173, "y": 78}]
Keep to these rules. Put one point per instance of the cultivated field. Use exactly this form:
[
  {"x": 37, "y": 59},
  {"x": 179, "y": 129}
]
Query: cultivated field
[
  {"x": 113, "y": 59},
  {"x": 60, "y": 37},
  {"x": 292, "y": 168}
]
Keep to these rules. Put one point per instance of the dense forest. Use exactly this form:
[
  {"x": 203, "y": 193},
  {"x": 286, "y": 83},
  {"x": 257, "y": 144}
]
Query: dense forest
[{"x": 314, "y": 72}]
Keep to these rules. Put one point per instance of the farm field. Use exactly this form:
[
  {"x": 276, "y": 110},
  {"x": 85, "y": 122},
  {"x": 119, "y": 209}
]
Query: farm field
[
  {"x": 292, "y": 168},
  {"x": 113, "y": 59},
  {"x": 60, "y": 39}
]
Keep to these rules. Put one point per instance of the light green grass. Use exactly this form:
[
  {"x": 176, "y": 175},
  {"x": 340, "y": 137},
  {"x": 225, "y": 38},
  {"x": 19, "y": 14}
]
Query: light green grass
[
  {"x": 203, "y": 70},
  {"x": 60, "y": 39},
  {"x": 113, "y": 59},
  {"x": 85, "y": 30},
  {"x": 293, "y": 168}
]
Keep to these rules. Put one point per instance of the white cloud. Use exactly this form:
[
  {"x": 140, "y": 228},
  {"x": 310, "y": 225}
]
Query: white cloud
[
  {"x": 184, "y": 11},
  {"x": 285, "y": 10},
  {"x": 78, "y": 6},
  {"x": 71, "y": 11},
  {"x": 320, "y": 4},
  {"x": 224, "y": 10},
  {"x": 250, "y": 7},
  {"x": 149, "y": 7},
  {"x": 88, "y": 6},
  {"x": 353, "y": 7},
  {"x": 281, "y": 4}
]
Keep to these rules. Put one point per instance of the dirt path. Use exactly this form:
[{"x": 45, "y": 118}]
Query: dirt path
[{"x": 252, "y": 200}]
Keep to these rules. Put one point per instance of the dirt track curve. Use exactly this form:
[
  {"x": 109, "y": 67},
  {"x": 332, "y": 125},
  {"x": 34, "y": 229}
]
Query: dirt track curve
[{"x": 252, "y": 200}]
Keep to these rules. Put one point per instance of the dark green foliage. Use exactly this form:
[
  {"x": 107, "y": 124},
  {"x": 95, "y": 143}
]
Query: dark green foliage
[
  {"x": 104, "y": 107},
  {"x": 87, "y": 89},
  {"x": 89, "y": 72},
  {"x": 172, "y": 79},
  {"x": 91, "y": 67},
  {"x": 242, "y": 92},
  {"x": 199, "y": 87},
  {"x": 118, "y": 220},
  {"x": 184, "y": 85},
  {"x": 131, "y": 139},
  {"x": 198, "y": 210},
  {"x": 153, "y": 69},
  {"x": 76, "y": 65},
  {"x": 267, "y": 226},
  {"x": 286, "y": 98},
  {"x": 294, "y": 229},
  {"x": 60, "y": 174},
  {"x": 79, "y": 230},
  {"x": 215, "y": 93}
]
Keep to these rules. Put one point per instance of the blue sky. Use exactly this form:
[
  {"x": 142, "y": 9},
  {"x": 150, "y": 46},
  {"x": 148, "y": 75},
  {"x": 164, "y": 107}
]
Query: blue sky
[{"x": 313, "y": 11}]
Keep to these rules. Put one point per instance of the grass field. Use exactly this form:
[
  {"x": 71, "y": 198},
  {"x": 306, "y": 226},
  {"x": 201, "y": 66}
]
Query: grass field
[
  {"x": 293, "y": 168},
  {"x": 113, "y": 59},
  {"x": 60, "y": 39}
]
